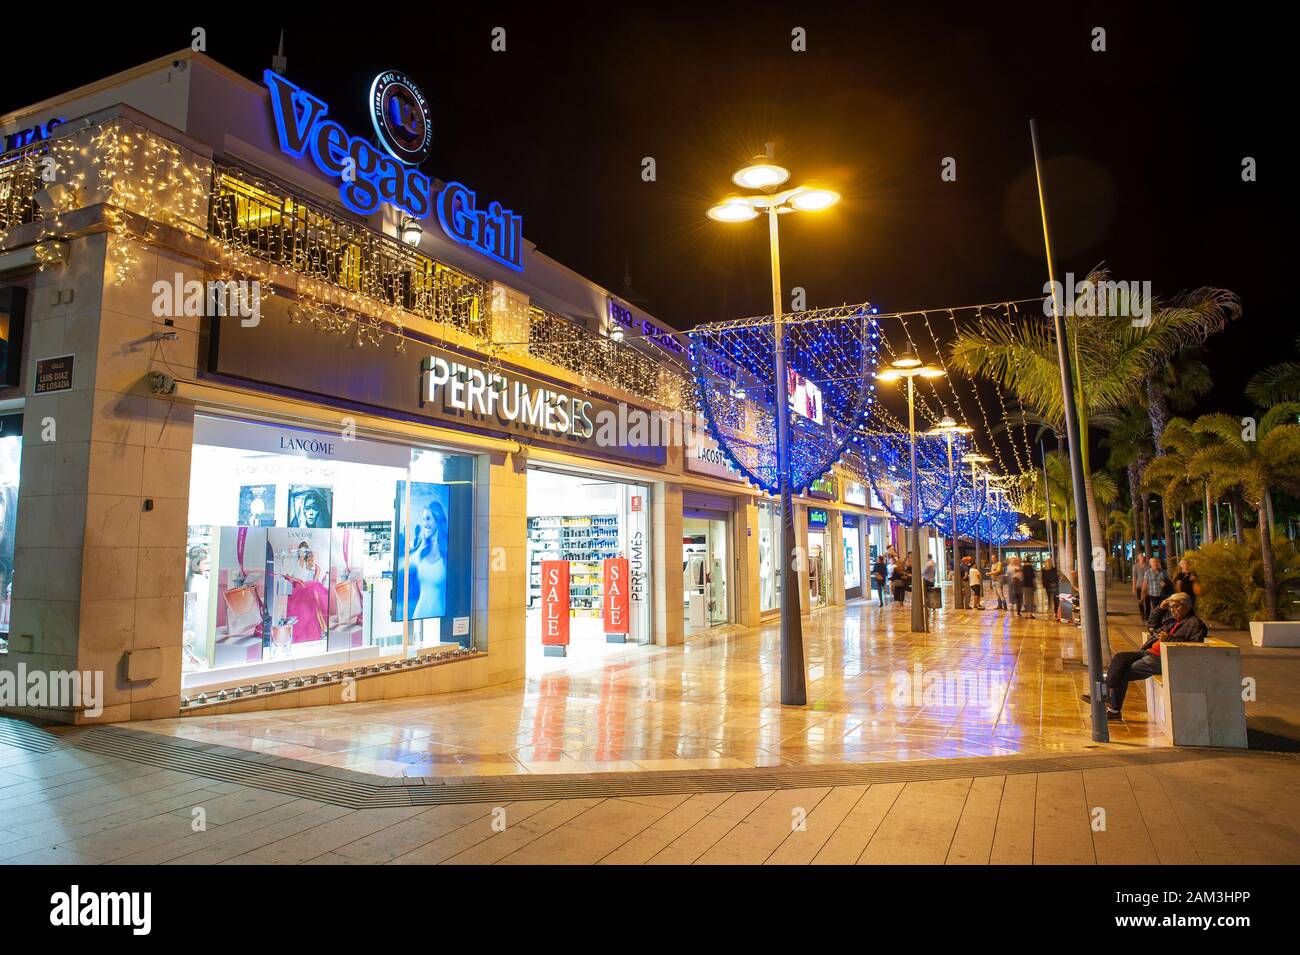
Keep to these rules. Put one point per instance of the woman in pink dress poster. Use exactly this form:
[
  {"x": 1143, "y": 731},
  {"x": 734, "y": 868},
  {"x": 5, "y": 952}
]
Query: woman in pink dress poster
[{"x": 308, "y": 602}]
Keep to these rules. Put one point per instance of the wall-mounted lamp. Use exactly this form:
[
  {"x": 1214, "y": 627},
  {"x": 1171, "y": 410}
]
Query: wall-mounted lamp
[{"x": 411, "y": 231}]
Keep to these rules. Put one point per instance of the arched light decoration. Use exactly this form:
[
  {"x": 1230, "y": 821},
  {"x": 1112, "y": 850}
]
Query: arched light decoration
[
  {"x": 883, "y": 459},
  {"x": 831, "y": 363}
]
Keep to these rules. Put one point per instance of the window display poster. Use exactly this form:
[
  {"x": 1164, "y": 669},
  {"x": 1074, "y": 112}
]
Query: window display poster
[
  {"x": 348, "y": 555},
  {"x": 310, "y": 506},
  {"x": 420, "y": 551},
  {"x": 300, "y": 605},
  {"x": 852, "y": 575},
  {"x": 257, "y": 505},
  {"x": 242, "y": 619}
]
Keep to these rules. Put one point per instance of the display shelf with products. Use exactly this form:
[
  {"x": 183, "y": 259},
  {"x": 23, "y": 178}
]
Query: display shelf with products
[{"x": 584, "y": 541}]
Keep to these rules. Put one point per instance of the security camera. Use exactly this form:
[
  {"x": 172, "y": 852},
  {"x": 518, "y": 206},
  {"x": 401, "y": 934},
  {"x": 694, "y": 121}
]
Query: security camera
[{"x": 161, "y": 384}]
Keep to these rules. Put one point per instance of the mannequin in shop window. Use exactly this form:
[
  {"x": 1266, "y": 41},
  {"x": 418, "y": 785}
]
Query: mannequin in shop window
[{"x": 195, "y": 613}]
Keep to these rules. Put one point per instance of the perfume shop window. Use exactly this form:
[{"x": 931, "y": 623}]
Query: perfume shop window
[
  {"x": 307, "y": 548},
  {"x": 11, "y": 455}
]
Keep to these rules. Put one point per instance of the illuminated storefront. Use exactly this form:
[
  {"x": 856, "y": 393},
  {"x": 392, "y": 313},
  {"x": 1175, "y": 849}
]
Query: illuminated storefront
[
  {"x": 304, "y": 549},
  {"x": 349, "y": 444}
]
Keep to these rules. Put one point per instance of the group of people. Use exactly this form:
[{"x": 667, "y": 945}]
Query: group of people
[
  {"x": 1167, "y": 604},
  {"x": 1014, "y": 583},
  {"x": 1152, "y": 583}
]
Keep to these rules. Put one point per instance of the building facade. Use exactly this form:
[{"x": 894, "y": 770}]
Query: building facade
[{"x": 285, "y": 422}]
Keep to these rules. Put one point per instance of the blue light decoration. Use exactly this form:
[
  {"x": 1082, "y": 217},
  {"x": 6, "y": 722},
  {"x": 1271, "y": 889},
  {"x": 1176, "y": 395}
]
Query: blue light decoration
[
  {"x": 1000, "y": 524},
  {"x": 885, "y": 459},
  {"x": 967, "y": 499},
  {"x": 831, "y": 362},
  {"x": 368, "y": 176}
]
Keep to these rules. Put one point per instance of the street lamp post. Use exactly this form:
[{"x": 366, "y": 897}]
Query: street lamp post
[
  {"x": 765, "y": 175},
  {"x": 948, "y": 428},
  {"x": 1075, "y": 436},
  {"x": 910, "y": 367}
]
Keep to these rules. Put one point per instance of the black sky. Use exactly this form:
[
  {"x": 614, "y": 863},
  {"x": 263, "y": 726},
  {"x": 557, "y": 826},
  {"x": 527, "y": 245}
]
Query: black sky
[{"x": 1145, "y": 140}]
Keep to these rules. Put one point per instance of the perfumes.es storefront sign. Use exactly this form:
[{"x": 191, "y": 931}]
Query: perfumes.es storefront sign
[{"x": 424, "y": 383}]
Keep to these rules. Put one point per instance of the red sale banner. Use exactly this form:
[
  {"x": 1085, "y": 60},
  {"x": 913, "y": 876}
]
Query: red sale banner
[
  {"x": 555, "y": 603},
  {"x": 617, "y": 595}
]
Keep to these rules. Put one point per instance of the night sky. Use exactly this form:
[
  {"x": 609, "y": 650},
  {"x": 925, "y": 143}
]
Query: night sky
[{"x": 1145, "y": 140}]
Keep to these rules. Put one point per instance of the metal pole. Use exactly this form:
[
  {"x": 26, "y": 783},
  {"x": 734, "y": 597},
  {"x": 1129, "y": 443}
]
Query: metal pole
[
  {"x": 794, "y": 690},
  {"x": 1074, "y": 437},
  {"x": 1047, "y": 500},
  {"x": 918, "y": 582}
]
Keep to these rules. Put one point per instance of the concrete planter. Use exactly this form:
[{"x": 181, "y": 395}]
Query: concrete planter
[{"x": 1275, "y": 633}]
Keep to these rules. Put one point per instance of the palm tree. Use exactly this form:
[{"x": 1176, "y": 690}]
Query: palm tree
[
  {"x": 1118, "y": 529},
  {"x": 1276, "y": 383},
  {"x": 1059, "y": 487},
  {"x": 1176, "y": 384},
  {"x": 1181, "y": 475},
  {"x": 1113, "y": 358},
  {"x": 1169, "y": 475},
  {"x": 1131, "y": 448},
  {"x": 1253, "y": 465}
]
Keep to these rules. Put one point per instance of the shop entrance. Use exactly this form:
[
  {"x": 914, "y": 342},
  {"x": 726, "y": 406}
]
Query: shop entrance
[
  {"x": 854, "y": 570},
  {"x": 704, "y": 568},
  {"x": 819, "y": 559},
  {"x": 588, "y": 553}
]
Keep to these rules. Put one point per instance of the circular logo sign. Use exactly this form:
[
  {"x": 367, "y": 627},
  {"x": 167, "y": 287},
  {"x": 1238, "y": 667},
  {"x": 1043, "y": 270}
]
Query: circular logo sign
[{"x": 401, "y": 117}]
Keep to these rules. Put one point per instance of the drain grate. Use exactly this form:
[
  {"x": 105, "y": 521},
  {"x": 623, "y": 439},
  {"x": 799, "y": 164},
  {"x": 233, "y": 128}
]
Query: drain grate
[{"x": 358, "y": 791}]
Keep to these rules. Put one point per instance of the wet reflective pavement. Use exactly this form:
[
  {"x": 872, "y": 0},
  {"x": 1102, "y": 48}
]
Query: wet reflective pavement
[{"x": 981, "y": 683}]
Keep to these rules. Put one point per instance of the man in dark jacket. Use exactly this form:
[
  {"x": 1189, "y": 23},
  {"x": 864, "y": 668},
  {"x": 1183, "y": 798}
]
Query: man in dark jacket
[
  {"x": 1184, "y": 627},
  {"x": 1161, "y": 617}
]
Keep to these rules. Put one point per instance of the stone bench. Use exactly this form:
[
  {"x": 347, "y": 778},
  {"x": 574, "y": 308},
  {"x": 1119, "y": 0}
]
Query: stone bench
[
  {"x": 1197, "y": 701},
  {"x": 1275, "y": 633}
]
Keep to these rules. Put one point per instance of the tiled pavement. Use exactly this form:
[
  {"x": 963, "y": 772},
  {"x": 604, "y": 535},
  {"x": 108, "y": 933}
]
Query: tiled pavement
[
  {"x": 63, "y": 800},
  {"x": 715, "y": 704},
  {"x": 70, "y": 806}
]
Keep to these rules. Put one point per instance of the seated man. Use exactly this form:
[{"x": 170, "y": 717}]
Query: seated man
[
  {"x": 1161, "y": 617},
  {"x": 1183, "y": 627}
]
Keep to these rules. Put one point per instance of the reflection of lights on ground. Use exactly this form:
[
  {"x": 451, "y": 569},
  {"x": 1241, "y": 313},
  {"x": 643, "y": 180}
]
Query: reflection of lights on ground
[{"x": 615, "y": 708}]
